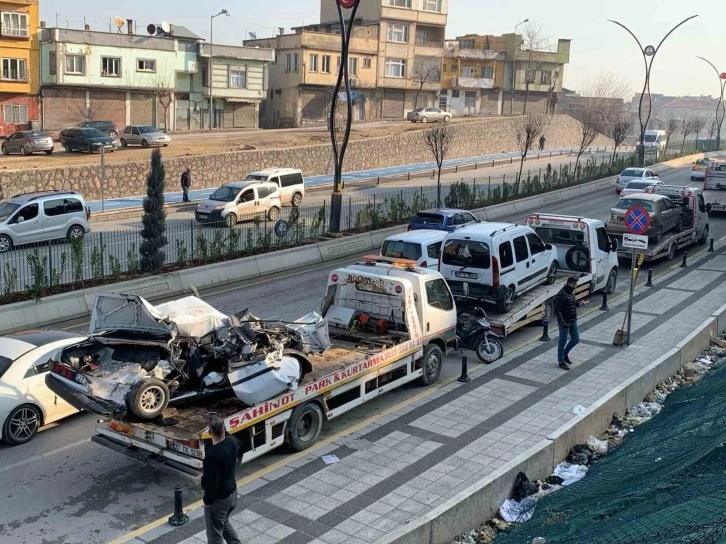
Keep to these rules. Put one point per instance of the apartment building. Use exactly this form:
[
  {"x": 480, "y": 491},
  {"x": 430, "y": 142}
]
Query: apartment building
[{"x": 19, "y": 78}]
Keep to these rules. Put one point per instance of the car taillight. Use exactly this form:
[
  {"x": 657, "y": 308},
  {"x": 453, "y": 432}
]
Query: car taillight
[
  {"x": 495, "y": 272},
  {"x": 63, "y": 371},
  {"x": 28, "y": 141}
]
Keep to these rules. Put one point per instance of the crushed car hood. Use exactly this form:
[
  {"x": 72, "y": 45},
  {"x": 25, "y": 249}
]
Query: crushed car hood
[{"x": 193, "y": 317}]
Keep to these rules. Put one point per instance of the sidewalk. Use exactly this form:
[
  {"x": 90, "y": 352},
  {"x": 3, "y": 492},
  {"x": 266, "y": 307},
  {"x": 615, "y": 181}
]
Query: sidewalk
[{"x": 408, "y": 463}]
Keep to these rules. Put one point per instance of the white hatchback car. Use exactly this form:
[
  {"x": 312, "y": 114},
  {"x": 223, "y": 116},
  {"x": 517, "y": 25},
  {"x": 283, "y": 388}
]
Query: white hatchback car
[
  {"x": 422, "y": 246},
  {"x": 26, "y": 403}
]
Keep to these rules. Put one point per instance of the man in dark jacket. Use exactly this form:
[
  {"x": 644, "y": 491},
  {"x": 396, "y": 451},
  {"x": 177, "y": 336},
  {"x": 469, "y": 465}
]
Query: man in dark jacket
[
  {"x": 220, "y": 487},
  {"x": 542, "y": 142},
  {"x": 186, "y": 182},
  {"x": 566, "y": 311}
]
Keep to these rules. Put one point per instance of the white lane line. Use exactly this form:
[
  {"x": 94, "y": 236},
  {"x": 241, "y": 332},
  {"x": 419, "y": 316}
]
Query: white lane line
[{"x": 43, "y": 456}]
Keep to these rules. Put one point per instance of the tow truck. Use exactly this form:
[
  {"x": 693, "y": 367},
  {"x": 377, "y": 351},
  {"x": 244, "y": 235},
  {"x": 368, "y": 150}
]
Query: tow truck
[
  {"x": 390, "y": 323},
  {"x": 715, "y": 183}
]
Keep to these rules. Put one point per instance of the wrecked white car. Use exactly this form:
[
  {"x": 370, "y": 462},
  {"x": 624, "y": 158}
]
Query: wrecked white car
[{"x": 142, "y": 358}]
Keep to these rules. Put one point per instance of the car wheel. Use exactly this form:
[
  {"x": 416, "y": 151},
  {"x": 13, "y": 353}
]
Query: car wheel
[
  {"x": 6, "y": 244},
  {"x": 21, "y": 425},
  {"x": 49, "y": 152},
  {"x": 433, "y": 359},
  {"x": 679, "y": 224},
  {"x": 149, "y": 398},
  {"x": 552, "y": 274},
  {"x": 507, "y": 303},
  {"x": 24, "y": 151},
  {"x": 123, "y": 143},
  {"x": 447, "y": 119},
  {"x": 704, "y": 237},
  {"x": 231, "y": 220},
  {"x": 672, "y": 252},
  {"x": 273, "y": 214},
  {"x": 67, "y": 148},
  {"x": 75, "y": 232},
  {"x": 297, "y": 199},
  {"x": 144, "y": 143},
  {"x": 612, "y": 282},
  {"x": 424, "y": 119},
  {"x": 658, "y": 235},
  {"x": 5, "y": 150},
  {"x": 112, "y": 134},
  {"x": 305, "y": 425},
  {"x": 90, "y": 150}
]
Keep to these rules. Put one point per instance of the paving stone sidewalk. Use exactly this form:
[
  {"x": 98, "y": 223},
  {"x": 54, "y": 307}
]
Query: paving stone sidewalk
[{"x": 410, "y": 462}]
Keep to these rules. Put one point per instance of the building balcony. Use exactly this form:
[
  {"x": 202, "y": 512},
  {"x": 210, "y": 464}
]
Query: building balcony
[
  {"x": 439, "y": 44},
  {"x": 474, "y": 54},
  {"x": 15, "y": 32},
  {"x": 474, "y": 83}
]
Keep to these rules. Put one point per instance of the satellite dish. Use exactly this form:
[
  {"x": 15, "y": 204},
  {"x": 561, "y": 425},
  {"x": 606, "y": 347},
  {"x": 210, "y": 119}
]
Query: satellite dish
[
  {"x": 166, "y": 27},
  {"x": 151, "y": 29},
  {"x": 118, "y": 21},
  {"x": 253, "y": 35}
]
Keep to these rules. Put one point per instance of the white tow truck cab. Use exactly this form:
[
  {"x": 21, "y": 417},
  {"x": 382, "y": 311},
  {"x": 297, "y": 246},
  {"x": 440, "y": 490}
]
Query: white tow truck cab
[
  {"x": 715, "y": 183},
  {"x": 389, "y": 324}
]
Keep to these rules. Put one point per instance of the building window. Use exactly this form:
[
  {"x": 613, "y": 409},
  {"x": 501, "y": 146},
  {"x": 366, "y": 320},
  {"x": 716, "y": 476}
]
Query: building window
[
  {"x": 288, "y": 62},
  {"x": 453, "y": 67},
  {"x": 15, "y": 24},
  {"x": 431, "y": 5},
  {"x": 14, "y": 70},
  {"x": 455, "y": 93},
  {"x": 75, "y": 64},
  {"x": 313, "y": 63},
  {"x": 400, "y": 3},
  {"x": 52, "y": 62},
  {"x": 546, "y": 77},
  {"x": 530, "y": 76},
  {"x": 442, "y": 102},
  {"x": 396, "y": 68},
  {"x": 487, "y": 73},
  {"x": 295, "y": 62},
  {"x": 110, "y": 67},
  {"x": 352, "y": 66},
  {"x": 238, "y": 79},
  {"x": 326, "y": 64},
  {"x": 466, "y": 44},
  {"x": 470, "y": 99},
  {"x": 398, "y": 33},
  {"x": 145, "y": 65},
  {"x": 15, "y": 114},
  {"x": 367, "y": 62}
]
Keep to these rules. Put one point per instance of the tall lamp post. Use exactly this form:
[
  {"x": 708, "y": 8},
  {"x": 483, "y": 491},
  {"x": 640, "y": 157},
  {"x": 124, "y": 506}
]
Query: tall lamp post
[
  {"x": 720, "y": 108},
  {"x": 336, "y": 199},
  {"x": 649, "y": 52},
  {"x": 211, "y": 65},
  {"x": 514, "y": 67}
]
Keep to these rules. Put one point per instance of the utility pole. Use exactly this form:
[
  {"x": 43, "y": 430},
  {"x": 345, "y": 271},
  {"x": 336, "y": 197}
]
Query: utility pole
[
  {"x": 514, "y": 67},
  {"x": 211, "y": 66}
]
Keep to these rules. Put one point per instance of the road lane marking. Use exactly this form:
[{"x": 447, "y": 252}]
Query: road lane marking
[{"x": 43, "y": 455}]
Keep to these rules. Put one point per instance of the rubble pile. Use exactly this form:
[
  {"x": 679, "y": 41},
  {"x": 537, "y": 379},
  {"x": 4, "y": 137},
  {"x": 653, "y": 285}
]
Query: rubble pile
[{"x": 520, "y": 507}]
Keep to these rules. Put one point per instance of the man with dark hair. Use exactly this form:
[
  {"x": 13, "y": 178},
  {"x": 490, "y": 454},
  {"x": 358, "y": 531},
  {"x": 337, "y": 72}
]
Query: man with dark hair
[
  {"x": 220, "y": 487},
  {"x": 566, "y": 311},
  {"x": 186, "y": 182}
]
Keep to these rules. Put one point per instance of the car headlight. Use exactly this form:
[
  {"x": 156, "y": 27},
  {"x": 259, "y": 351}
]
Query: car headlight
[{"x": 220, "y": 207}]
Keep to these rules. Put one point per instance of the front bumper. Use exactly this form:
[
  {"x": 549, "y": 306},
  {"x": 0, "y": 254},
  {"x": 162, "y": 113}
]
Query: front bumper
[
  {"x": 80, "y": 400},
  {"x": 476, "y": 291},
  {"x": 214, "y": 216}
]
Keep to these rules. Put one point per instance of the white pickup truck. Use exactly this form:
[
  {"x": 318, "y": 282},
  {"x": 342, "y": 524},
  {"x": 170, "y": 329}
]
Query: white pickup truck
[
  {"x": 389, "y": 324},
  {"x": 715, "y": 183}
]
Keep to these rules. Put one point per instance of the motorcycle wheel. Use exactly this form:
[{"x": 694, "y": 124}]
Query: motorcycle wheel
[{"x": 489, "y": 349}]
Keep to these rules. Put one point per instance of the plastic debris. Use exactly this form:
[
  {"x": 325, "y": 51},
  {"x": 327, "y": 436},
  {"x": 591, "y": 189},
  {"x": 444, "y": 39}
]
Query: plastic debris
[
  {"x": 577, "y": 410},
  {"x": 597, "y": 446},
  {"x": 570, "y": 473},
  {"x": 213, "y": 378},
  {"x": 523, "y": 487},
  {"x": 330, "y": 459},
  {"x": 539, "y": 540},
  {"x": 517, "y": 511}
]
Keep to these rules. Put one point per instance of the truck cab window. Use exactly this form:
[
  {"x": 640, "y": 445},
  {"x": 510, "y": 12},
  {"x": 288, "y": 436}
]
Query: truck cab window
[
  {"x": 438, "y": 296},
  {"x": 603, "y": 243}
]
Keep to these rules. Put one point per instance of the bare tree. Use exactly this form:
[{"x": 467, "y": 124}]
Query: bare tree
[
  {"x": 687, "y": 128},
  {"x": 533, "y": 42},
  {"x": 592, "y": 124},
  {"x": 619, "y": 130},
  {"x": 438, "y": 139},
  {"x": 671, "y": 128},
  {"x": 528, "y": 130},
  {"x": 423, "y": 73},
  {"x": 699, "y": 123}
]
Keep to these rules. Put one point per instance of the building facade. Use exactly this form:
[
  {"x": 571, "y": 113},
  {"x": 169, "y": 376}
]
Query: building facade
[{"x": 19, "y": 77}]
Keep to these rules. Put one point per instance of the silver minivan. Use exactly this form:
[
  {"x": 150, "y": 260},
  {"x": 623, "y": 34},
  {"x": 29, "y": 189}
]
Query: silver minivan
[
  {"x": 240, "y": 201},
  {"x": 289, "y": 180}
]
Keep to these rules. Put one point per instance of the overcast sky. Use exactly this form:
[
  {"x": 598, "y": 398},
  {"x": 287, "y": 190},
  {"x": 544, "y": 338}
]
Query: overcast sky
[{"x": 597, "y": 45}]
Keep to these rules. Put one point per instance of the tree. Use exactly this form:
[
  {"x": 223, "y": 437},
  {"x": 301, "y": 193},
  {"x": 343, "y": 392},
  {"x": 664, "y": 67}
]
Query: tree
[
  {"x": 592, "y": 123},
  {"x": 670, "y": 128},
  {"x": 438, "y": 139},
  {"x": 688, "y": 127},
  {"x": 533, "y": 42},
  {"x": 423, "y": 73},
  {"x": 699, "y": 123},
  {"x": 619, "y": 130},
  {"x": 153, "y": 230},
  {"x": 528, "y": 130}
]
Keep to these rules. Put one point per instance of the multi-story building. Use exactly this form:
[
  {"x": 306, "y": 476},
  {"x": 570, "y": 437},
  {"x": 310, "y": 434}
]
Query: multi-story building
[
  {"x": 160, "y": 78},
  {"x": 18, "y": 64}
]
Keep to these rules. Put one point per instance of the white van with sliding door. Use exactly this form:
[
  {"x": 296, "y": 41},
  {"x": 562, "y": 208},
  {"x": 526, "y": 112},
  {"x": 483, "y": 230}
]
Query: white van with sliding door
[
  {"x": 422, "y": 246},
  {"x": 289, "y": 180}
]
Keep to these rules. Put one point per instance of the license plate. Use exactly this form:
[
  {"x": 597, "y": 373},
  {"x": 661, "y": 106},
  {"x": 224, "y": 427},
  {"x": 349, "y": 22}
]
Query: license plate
[
  {"x": 184, "y": 449},
  {"x": 80, "y": 378},
  {"x": 467, "y": 275}
]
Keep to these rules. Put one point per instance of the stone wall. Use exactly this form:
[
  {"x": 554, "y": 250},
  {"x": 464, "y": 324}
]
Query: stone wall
[{"x": 129, "y": 179}]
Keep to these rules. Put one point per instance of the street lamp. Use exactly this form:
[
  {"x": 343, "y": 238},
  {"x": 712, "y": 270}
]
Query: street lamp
[
  {"x": 514, "y": 66},
  {"x": 648, "y": 52},
  {"x": 720, "y": 108},
  {"x": 211, "y": 65}
]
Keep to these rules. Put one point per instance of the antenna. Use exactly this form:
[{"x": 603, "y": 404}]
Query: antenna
[
  {"x": 151, "y": 29},
  {"x": 165, "y": 27},
  {"x": 119, "y": 22}
]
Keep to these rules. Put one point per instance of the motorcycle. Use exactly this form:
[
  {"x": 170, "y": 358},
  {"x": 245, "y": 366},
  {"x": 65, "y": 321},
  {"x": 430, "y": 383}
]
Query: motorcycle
[{"x": 475, "y": 333}]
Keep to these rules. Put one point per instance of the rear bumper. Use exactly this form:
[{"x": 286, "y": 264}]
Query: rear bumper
[
  {"x": 80, "y": 400},
  {"x": 476, "y": 291}
]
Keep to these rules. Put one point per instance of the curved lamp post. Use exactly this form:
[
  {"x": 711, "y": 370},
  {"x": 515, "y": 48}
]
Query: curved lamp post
[
  {"x": 649, "y": 52},
  {"x": 211, "y": 66},
  {"x": 336, "y": 200},
  {"x": 720, "y": 108},
  {"x": 514, "y": 67}
]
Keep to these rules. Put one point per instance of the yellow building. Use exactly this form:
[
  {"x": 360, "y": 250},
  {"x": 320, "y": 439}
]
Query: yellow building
[{"x": 19, "y": 65}]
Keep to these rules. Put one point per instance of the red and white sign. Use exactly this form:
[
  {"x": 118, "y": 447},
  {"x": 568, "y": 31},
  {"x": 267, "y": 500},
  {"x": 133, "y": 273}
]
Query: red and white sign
[
  {"x": 723, "y": 75},
  {"x": 347, "y": 4}
]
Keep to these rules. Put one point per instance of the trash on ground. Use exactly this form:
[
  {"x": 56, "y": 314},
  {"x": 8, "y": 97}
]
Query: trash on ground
[
  {"x": 570, "y": 473},
  {"x": 597, "y": 446},
  {"x": 517, "y": 511},
  {"x": 578, "y": 409},
  {"x": 330, "y": 459}
]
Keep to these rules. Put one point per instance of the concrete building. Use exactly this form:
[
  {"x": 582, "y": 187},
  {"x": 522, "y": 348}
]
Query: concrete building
[
  {"x": 573, "y": 104},
  {"x": 19, "y": 80}
]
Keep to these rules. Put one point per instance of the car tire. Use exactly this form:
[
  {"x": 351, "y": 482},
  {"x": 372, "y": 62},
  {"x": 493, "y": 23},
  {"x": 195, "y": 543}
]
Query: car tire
[
  {"x": 507, "y": 302},
  {"x": 231, "y": 220},
  {"x": 304, "y": 426},
  {"x": 112, "y": 134},
  {"x": 49, "y": 152},
  {"x": 149, "y": 398},
  {"x": 90, "y": 150},
  {"x": 5, "y": 150},
  {"x": 671, "y": 252},
  {"x": 22, "y": 424},
  {"x": 297, "y": 199},
  {"x": 658, "y": 235},
  {"x": 76, "y": 231},
  {"x": 612, "y": 283},
  {"x": 679, "y": 224},
  {"x": 433, "y": 360},
  {"x": 6, "y": 243},
  {"x": 424, "y": 120},
  {"x": 552, "y": 274},
  {"x": 123, "y": 143},
  {"x": 144, "y": 144},
  {"x": 24, "y": 151},
  {"x": 67, "y": 148},
  {"x": 273, "y": 214},
  {"x": 704, "y": 237},
  {"x": 447, "y": 118}
]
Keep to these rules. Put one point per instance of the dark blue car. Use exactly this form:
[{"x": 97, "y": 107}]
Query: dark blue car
[{"x": 442, "y": 219}]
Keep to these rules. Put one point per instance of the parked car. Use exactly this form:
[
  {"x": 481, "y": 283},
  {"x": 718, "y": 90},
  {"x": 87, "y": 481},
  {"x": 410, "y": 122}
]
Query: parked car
[
  {"x": 144, "y": 135},
  {"x": 422, "y": 246},
  {"x": 38, "y": 217},
  {"x": 698, "y": 171},
  {"x": 428, "y": 115},
  {"x": 86, "y": 139},
  {"x": 496, "y": 262},
  {"x": 289, "y": 180},
  {"x": 109, "y": 128},
  {"x": 632, "y": 174},
  {"x": 27, "y": 142},
  {"x": 240, "y": 200},
  {"x": 664, "y": 214},
  {"x": 446, "y": 219},
  {"x": 638, "y": 186},
  {"x": 26, "y": 403}
]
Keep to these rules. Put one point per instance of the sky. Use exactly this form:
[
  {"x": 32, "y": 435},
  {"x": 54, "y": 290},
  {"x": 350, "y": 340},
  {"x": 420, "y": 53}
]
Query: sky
[{"x": 598, "y": 46}]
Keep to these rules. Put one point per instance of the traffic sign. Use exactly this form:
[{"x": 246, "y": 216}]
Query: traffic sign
[
  {"x": 723, "y": 75},
  {"x": 635, "y": 241},
  {"x": 649, "y": 50},
  {"x": 637, "y": 220},
  {"x": 347, "y": 4}
]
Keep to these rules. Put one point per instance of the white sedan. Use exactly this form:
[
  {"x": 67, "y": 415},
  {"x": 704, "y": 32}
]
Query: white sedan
[
  {"x": 26, "y": 403},
  {"x": 638, "y": 186}
]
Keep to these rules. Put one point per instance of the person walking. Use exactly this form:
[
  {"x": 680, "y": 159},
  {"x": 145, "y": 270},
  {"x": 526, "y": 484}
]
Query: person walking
[
  {"x": 566, "y": 311},
  {"x": 186, "y": 182},
  {"x": 219, "y": 485},
  {"x": 542, "y": 141}
]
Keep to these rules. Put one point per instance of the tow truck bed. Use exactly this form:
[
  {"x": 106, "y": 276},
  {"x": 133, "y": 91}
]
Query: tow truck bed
[{"x": 657, "y": 251}]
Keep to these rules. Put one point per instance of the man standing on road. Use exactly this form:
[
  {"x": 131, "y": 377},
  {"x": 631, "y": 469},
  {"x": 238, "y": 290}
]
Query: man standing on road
[
  {"x": 220, "y": 487},
  {"x": 542, "y": 141},
  {"x": 566, "y": 311},
  {"x": 186, "y": 182}
]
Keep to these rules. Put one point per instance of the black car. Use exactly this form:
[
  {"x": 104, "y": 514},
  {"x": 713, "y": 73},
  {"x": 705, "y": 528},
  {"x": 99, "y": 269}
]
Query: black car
[
  {"x": 85, "y": 139},
  {"x": 109, "y": 128}
]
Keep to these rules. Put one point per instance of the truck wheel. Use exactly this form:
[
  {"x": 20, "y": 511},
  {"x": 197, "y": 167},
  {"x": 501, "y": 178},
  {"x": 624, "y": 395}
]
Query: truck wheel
[
  {"x": 704, "y": 237},
  {"x": 612, "y": 282},
  {"x": 304, "y": 426},
  {"x": 507, "y": 303},
  {"x": 149, "y": 398},
  {"x": 552, "y": 274},
  {"x": 433, "y": 358}
]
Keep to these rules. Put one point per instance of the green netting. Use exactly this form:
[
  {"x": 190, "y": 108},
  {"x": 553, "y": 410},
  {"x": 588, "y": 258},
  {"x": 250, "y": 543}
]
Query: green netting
[{"x": 665, "y": 484}]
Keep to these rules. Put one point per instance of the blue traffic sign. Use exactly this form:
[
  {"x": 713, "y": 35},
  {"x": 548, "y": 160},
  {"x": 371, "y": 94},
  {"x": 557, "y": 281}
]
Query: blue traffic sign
[{"x": 637, "y": 220}]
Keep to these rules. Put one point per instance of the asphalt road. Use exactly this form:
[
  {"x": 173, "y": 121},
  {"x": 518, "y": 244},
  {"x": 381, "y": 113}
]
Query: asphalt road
[{"x": 61, "y": 488}]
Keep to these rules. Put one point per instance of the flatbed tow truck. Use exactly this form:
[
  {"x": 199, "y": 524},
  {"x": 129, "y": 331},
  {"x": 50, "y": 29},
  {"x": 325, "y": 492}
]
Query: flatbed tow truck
[
  {"x": 390, "y": 324},
  {"x": 714, "y": 187}
]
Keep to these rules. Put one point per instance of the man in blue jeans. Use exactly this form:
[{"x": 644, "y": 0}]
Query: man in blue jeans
[{"x": 566, "y": 311}]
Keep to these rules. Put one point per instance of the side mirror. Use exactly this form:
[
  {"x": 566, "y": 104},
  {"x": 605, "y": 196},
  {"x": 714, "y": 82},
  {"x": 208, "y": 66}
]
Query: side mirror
[
  {"x": 548, "y": 246},
  {"x": 613, "y": 244},
  {"x": 20, "y": 219},
  {"x": 708, "y": 208}
]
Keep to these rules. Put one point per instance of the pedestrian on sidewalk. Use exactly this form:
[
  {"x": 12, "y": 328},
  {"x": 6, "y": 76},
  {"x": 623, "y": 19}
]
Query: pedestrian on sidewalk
[
  {"x": 566, "y": 311},
  {"x": 220, "y": 487},
  {"x": 186, "y": 182},
  {"x": 542, "y": 141}
]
